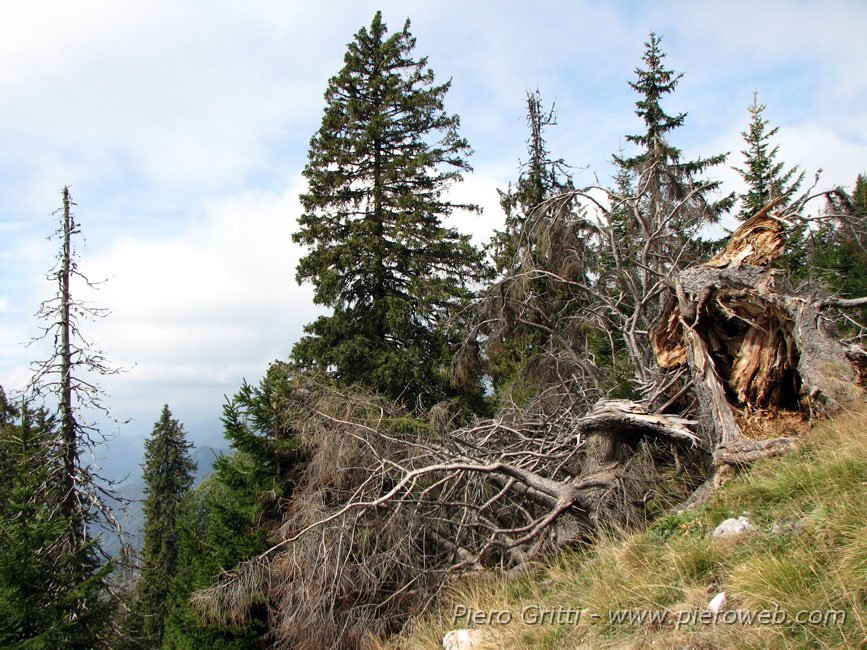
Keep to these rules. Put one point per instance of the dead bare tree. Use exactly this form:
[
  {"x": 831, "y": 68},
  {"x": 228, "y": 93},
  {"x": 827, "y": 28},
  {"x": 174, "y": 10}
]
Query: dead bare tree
[{"x": 68, "y": 377}]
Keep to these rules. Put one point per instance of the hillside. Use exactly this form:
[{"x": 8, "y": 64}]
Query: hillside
[{"x": 808, "y": 555}]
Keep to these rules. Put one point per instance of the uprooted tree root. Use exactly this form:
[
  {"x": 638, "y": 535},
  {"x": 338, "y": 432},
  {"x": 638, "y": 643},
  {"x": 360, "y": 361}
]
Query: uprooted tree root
[{"x": 754, "y": 349}]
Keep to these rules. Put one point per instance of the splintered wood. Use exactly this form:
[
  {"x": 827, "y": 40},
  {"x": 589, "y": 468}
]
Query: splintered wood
[
  {"x": 667, "y": 340},
  {"x": 747, "y": 336},
  {"x": 750, "y": 345},
  {"x": 759, "y": 241}
]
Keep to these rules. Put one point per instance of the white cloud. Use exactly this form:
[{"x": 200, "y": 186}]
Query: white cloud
[
  {"x": 482, "y": 191},
  {"x": 152, "y": 109},
  {"x": 204, "y": 308}
]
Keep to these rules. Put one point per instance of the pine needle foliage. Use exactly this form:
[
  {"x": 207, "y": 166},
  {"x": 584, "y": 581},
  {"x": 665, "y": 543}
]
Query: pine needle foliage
[
  {"x": 765, "y": 176},
  {"x": 168, "y": 473},
  {"x": 379, "y": 254}
]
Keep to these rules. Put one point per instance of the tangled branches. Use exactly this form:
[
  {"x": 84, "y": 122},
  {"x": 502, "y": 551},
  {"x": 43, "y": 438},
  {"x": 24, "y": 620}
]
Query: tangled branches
[{"x": 388, "y": 510}]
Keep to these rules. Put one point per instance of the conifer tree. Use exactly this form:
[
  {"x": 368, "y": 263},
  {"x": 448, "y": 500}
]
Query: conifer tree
[
  {"x": 838, "y": 250},
  {"x": 674, "y": 197},
  {"x": 541, "y": 177},
  {"x": 658, "y": 208},
  {"x": 168, "y": 475},
  {"x": 222, "y": 524},
  {"x": 378, "y": 253},
  {"x": 51, "y": 596},
  {"x": 231, "y": 516},
  {"x": 764, "y": 175},
  {"x": 516, "y": 346},
  {"x": 76, "y": 500}
]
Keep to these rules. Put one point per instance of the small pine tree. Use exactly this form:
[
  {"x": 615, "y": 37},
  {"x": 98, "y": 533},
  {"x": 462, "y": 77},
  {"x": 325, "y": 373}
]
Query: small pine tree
[
  {"x": 379, "y": 255},
  {"x": 838, "y": 250},
  {"x": 168, "y": 475},
  {"x": 231, "y": 516},
  {"x": 766, "y": 178}
]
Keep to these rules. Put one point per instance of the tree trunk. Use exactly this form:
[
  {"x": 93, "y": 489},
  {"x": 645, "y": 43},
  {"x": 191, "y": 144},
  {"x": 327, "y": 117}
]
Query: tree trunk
[
  {"x": 68, "y": 431},
  {"x": 753, "y": 348}
]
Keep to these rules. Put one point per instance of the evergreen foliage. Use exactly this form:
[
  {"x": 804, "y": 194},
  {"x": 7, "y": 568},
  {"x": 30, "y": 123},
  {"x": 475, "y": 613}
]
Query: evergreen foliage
[
  {"x": 541, "y": 177},
  {"x": 674, "y": 196},
  {"x": 838, "y": 250},
  {"x": 222, "y": 524},
  {"x": 168, "y": 473},
  {"x": 258, "y": 422},
  {"x": 517, "y": 348},
  {"x": 766, "y": 178},
  {"x": 232, "y": 515},
  {"x": 379, "y": 254},
  {"x": 652, "y": 228},
  {"x": 51, "y": 596}
]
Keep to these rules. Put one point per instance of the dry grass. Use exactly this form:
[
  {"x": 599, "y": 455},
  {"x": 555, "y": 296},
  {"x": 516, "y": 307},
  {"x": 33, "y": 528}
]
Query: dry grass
[{"x": 820, "y": 564}]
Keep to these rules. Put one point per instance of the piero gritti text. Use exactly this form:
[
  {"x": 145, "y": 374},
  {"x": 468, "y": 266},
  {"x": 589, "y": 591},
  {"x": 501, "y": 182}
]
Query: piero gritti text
[{"x": 538, "y": 615}]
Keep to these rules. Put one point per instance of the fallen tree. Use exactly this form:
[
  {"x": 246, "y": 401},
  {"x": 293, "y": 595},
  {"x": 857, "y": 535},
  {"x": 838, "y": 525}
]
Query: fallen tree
[
  {"x": 391, "y": 507},
  {"x": 388, "y": 511}
]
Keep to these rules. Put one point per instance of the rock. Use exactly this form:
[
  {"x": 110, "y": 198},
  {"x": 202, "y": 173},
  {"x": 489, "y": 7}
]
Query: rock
[
  {"x": 717, "y": 603},
  {"x": 463, "y": 639},
  {"x": 788, "y": 527},
  {"x": 732, "y": 527}
]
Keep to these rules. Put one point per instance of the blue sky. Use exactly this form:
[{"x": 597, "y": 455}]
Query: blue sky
[{"x": 182, "y": 128}]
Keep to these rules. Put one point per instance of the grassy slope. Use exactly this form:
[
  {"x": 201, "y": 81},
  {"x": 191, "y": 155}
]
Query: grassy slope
[{"x": 819, "y": 564}]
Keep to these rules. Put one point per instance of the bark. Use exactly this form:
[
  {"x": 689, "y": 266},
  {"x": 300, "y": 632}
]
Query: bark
[
  {"x": 68, "y": 432},
  {"x": 746, "y": 452},
  {"x": 751, "y": 344}
]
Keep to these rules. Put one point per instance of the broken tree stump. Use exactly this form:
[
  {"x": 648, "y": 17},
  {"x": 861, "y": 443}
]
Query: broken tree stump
[{"x": 752, "y": 345}]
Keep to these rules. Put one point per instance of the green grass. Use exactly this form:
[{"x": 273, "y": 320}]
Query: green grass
[{"x": 676, "y": 566}]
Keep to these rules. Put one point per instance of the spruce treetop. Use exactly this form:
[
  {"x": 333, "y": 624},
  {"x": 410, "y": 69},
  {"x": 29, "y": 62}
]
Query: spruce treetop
[
  {"x": 669, "y": 182},
  {"x": 652, "y": 83},
  {"x": 168, "y": 474},
  {"x": 765, "y": 177}
]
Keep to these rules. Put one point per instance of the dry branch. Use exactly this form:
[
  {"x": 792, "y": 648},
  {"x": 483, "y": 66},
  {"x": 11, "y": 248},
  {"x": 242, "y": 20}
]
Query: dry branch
[{"x": 386, "y": 515}]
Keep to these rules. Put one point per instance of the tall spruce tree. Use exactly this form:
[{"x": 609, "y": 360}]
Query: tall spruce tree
[
  {"x": 674, "y": 197},
  {"x": 379, "y": 255},
  {"x": 764, "y": 175},
  {"x": 168, "y": 475},
  {"x": 659, "y": 206}
]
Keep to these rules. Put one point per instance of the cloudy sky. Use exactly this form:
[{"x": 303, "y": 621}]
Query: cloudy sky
[{"x": 182, "y": 128}]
